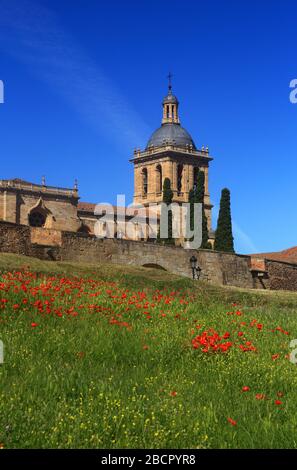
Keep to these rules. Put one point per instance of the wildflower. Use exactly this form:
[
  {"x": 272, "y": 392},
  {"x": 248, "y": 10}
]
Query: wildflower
[
  {"x": 274, "y": 357},
  {"x": 226, "y": 335},
  {"x": 232, "y": 421},
  {"x": 260, "y": 396},
  {"x": 245, "y": 389},
  {"x": 173, "y": 393},
  {"x": 278, "y": 402},
  {"x": 34, "y": 325}
]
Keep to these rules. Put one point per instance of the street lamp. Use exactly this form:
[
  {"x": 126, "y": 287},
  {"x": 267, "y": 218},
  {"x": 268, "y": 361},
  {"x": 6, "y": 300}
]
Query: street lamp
[{"x": 196, "y": 270}]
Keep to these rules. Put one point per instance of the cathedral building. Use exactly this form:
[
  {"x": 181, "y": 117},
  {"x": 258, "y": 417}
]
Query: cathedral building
[{"x": 170, "y": 153}]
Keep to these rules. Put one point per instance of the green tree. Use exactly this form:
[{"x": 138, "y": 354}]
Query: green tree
[
  {"x": 167, "y": 199},
  {"x": 224, "y": 237}
]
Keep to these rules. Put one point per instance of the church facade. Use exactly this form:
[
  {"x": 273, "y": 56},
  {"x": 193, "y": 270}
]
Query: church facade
[{"x": 170, "y": 153}]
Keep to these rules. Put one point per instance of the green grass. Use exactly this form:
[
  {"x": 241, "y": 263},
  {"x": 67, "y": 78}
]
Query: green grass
[{"x": 97, "y": 371}]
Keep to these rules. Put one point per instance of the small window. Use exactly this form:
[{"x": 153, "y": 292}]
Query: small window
[
  {"x": 159, "y": 179},
  {"x": 179, "y": 178},
  {"x": 144, "y": 181},
  {"x": 196, "y": 171}
]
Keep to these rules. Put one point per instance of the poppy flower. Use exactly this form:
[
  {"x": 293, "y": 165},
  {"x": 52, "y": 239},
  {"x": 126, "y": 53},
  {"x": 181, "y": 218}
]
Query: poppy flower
[
  {"x": 245, "y": 389},
  {"x": 260, "y": 396},
  {"x": 34, "y": 325},
  {"x": 278, "y": 402},
  {"x": 232, "y": 421},
  {"x": 173, "y": 393}
]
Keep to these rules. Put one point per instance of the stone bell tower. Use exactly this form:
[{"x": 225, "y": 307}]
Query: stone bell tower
[{"x": 170, "y": 153}]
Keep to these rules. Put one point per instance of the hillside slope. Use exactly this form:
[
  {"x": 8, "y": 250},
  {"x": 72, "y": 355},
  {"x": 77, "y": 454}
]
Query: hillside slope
[{"x": 113, "y": 357}]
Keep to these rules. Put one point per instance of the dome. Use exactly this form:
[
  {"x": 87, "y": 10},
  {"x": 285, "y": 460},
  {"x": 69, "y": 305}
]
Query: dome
[{"x": 170, "y": 133}]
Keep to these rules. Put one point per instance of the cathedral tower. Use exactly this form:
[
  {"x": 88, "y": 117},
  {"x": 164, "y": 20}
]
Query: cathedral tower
[{"x": 170, "y": 153}]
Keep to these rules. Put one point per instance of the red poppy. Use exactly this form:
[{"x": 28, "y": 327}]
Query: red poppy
[
  {"x": 34, "y": 325},
  {"x": 260, "y": 396},
  {"x": 232, "y": 421},
  {"x": 278, "y": 402},
  {"x": 245, "y": 389}
]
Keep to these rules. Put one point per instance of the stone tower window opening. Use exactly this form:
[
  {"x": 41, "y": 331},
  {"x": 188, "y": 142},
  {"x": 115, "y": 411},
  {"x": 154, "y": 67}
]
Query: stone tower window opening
[
  {"x": 159, "y": 179},
  {"x": 179, "y": 178},
  {"x": 144, "y": 181},
  {"x": 167, "y": 111},
  {"x": 196, "y": 171},
  {"x": 37, "y": 219}
]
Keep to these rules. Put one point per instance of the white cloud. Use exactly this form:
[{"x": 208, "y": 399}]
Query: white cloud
[{"x": 32, "y": 34}]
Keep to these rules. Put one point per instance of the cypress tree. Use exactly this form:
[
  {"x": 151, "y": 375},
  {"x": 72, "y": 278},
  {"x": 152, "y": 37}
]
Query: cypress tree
[
  {"x": 167, "y": 199},
  {"x": 224, "y": 237}
]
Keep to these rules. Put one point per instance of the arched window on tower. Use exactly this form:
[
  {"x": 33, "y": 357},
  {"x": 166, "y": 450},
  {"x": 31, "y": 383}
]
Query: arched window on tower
[
  {"x": 144, "y": 181},
  {"x": 159, "y": 179},
  {"x": 179, "y": 177},
  {"x": 196, "y": 171},
  {"x": 172, "y": 111},
  {"x": 167, "y": 111}
]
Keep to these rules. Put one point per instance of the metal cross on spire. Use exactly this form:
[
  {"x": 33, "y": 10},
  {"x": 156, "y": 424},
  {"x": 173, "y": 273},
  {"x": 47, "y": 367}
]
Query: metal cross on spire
[{"x": 169, "y": 76}]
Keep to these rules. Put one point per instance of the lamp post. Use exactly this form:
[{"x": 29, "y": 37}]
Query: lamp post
[{"x": 196, "y": 270}]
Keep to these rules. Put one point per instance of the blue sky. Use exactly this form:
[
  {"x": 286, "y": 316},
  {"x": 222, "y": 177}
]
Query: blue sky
[{"x": 84, "y": 82}]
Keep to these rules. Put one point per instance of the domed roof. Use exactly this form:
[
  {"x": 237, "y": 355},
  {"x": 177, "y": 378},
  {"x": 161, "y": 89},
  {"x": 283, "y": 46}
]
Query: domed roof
[{"x": 172, "y": 134}]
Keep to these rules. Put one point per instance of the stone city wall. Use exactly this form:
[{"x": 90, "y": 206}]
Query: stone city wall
[{"x": 217, "y": 267}]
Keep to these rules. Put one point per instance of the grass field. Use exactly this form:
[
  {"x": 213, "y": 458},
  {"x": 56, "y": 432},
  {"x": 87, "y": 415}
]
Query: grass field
[{"x": 115, "y": 357}]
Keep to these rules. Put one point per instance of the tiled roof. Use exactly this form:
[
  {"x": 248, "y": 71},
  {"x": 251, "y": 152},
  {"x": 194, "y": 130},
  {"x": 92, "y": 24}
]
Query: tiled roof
[
  {"x": 86, "y": 206},
  {"x": 289, "y": 255}
]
